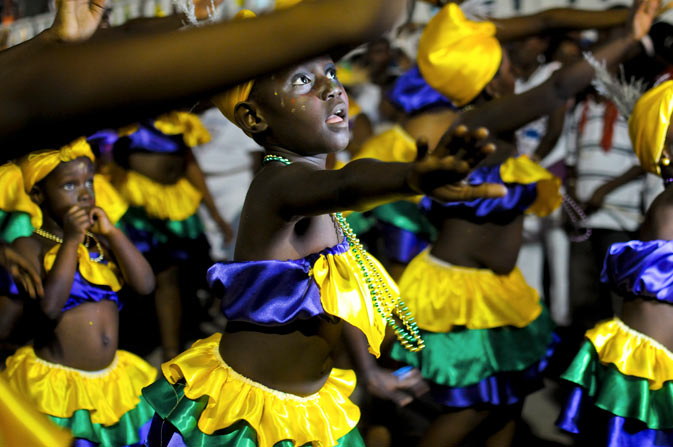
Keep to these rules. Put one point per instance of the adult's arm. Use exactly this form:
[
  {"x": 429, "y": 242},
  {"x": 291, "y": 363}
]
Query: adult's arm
[{"x": 54, "y": 92}]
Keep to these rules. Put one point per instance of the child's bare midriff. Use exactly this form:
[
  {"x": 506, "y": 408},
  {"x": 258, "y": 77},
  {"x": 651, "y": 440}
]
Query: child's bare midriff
[
  {"x": 84, "y": 338},
  {"x": 649, "y": 317},
  {"x": 298, "y": 362},
  {"x": 162, "y": 168},
  {"x": 485, "y": 245}
]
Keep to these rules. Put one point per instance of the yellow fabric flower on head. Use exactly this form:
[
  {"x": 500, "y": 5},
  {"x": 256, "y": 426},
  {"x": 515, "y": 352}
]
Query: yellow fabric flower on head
[
  {"x": 649, "y": 123},
  {"x": 227, "y": 101},
  {"x": 457, "y": 56}
]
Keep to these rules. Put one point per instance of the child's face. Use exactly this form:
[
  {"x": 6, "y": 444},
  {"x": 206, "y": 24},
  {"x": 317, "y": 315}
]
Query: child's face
[
  {"x": 305, "y": 107},
  {"x": 70, "y": 184}
]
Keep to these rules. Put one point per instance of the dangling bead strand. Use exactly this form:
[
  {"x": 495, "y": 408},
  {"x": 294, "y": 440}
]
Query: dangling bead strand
[
  {"x": 383, "y": 300},
  {"x": 52, "y": 237}
]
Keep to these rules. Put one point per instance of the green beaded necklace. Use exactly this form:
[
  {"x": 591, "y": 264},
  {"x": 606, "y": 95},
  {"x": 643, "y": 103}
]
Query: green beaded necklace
[{"x": 385, "y": 303}]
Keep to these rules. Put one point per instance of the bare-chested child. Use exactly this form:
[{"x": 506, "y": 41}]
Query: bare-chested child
[
  {"x": 74, "y": 372},
  {"x": 299, "y": 274},
  {"x": 622, "y": 374}
]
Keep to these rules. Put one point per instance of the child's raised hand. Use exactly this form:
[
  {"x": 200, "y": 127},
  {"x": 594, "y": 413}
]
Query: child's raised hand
[
  {"x": 100, "y": 223},
  {"x": 643, "y": 13},
  {"x": 442, "y": 174},
  {"x": 22, "y": 271},
  {"x": 76, "y": 223},
  {"x": 77, "y": 20}
]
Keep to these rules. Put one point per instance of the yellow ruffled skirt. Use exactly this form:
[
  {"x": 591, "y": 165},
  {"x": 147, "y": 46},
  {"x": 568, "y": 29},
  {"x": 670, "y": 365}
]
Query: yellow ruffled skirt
[
  {"x": 217, "y": 397},
  {"x": 441, "y": 296},
  {"x": 60, "y": 391}
]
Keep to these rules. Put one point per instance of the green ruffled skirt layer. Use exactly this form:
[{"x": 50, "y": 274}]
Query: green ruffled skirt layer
[
  {"x": 131, "y": 428},
  {"x": 171, "y": 405},
  {"x": 465, "y": 357},
  {"x": 619, "y": 394}
]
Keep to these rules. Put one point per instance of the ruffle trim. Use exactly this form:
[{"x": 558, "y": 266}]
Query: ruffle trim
[
  {"x": 14, "y": 225},
  {"x": 464, "y": 357},
  {"x": 99, "y": 273},
  {"x": 59, "y": 391},
  {"x": 108, "y": 198},
  {"x": 154, "y": 231},
  {"x": 323, "y": 417},
  {"x": 442, "y": 296},
  {"x": 174, "y": 202},
  {"x": 129, "y": 430},
  {"x": 523, "y": 170},
  {"x": 631, "y": 352},
  {"x": 604, "y": 386}
]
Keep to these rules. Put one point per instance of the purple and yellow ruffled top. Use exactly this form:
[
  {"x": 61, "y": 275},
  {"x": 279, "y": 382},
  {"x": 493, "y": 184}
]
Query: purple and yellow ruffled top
[
  {"x": 321, "y": 285},
  {"x": 621, "y": 377},
  {"x": 531, "y": 189}
]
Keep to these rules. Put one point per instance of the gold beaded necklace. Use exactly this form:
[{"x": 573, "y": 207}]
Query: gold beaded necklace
[
  {"x": 387, "y": 305},
  {"x": 52, "y": 237}
]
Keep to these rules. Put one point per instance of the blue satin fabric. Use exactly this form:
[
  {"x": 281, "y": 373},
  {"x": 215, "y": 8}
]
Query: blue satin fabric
[
  {"x": 104, "y": 140},
  {"x": 269, "y": 292},
  {"x": 640, "y": 269},
  {"x": 413, "y": 94},
  {"x": 143, "y": 433},
  {"x": 83, "y": 292},
  {"x": 518, "y": 199},
  {"x": 617, "y": 432},
  {"x": 7, "y": 284},
  {"x": 401, "y": 245},
  {"x": 148, "y": 138},
  {"x": 504, "y": 388}
]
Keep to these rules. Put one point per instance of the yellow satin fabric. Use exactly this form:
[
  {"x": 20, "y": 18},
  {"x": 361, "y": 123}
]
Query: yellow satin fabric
[
  {"x": 442, "y": 296},
  {"x": 21, "y": 424},
  {"x": 59, "y": 391},
  {"x": 524, "y": 171},
  {"x": 186, "y": 124},
  {"x": 37, "y": 165},
  {"x": 344, "y": 294},
  {"x": 109, "y": 199},
  {"x": 457, "y": 56},
  {"x": 94, "y": 272},
  {"x": 282, "y": 4},
  {"x": 395, "y": 145},
  {"x": 321, "y": 418},
  {"x": 226, "y": 101},
  {"x": 648, "y": 125},
  {"x": 633, "y": 353},
  {"x": 14, "y": 197},
  {"x": 173, "y": 202}
]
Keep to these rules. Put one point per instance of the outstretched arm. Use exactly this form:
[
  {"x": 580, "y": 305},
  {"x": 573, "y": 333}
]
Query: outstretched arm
[
  {"x": 52, "y": 92},
  {"x": 366, "y": 183},
  {"x": 510, "y": 112},
  {"x": 520, "y": 27}
]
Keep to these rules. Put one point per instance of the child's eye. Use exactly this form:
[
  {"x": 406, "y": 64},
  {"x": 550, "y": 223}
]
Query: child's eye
[
  {"x": 331, "y": 73},
  {"x": 301, "y": 80},
  {"x": 89, "y": 183},
  {"x": 69, "y": 186}
]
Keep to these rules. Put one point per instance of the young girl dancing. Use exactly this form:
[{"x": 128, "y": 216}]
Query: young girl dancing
[
  {"x": 299, "y": 274},
  {"x": 622, "y": 376},
  {"x": 74, "y": 373}
]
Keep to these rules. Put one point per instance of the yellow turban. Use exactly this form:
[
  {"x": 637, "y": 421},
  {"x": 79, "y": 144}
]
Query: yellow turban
[
  {"x": 457, "y": 56},
  {"x": 188, "y": 125},
  {"x": 37, "y": 165},
  {"x": 227, "y": 101},
  {"x": 13, "y": 197},
  {"x": 648, "y": 125}
]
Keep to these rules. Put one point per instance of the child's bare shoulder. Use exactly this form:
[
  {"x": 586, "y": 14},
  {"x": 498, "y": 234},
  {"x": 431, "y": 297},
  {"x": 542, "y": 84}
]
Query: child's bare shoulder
[{"x": 658, "y": 223}]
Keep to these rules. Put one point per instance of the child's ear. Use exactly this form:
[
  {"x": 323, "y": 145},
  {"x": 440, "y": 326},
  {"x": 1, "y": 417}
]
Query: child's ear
[
  {"x": 37, "y": 195},
  {"x": 249, "y": 118}
]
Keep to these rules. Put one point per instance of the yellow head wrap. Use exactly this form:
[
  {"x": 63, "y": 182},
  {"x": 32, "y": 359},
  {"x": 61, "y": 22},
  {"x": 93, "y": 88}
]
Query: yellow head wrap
[
  {"x": 37, "y": 165},
  {"x": 648, "y": 125},
  {"x": 457, "y": 56},
  {"x": 14, "y": 198},
  {"x": 227, "y": 101}
]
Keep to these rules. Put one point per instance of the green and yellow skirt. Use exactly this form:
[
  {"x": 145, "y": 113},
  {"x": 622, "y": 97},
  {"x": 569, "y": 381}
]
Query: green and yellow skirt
[{"x": 201, "y": 401}]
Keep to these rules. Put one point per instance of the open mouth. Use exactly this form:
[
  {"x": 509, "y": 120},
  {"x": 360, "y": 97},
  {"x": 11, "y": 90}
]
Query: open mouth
[{"x": 338, "y": 115}]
